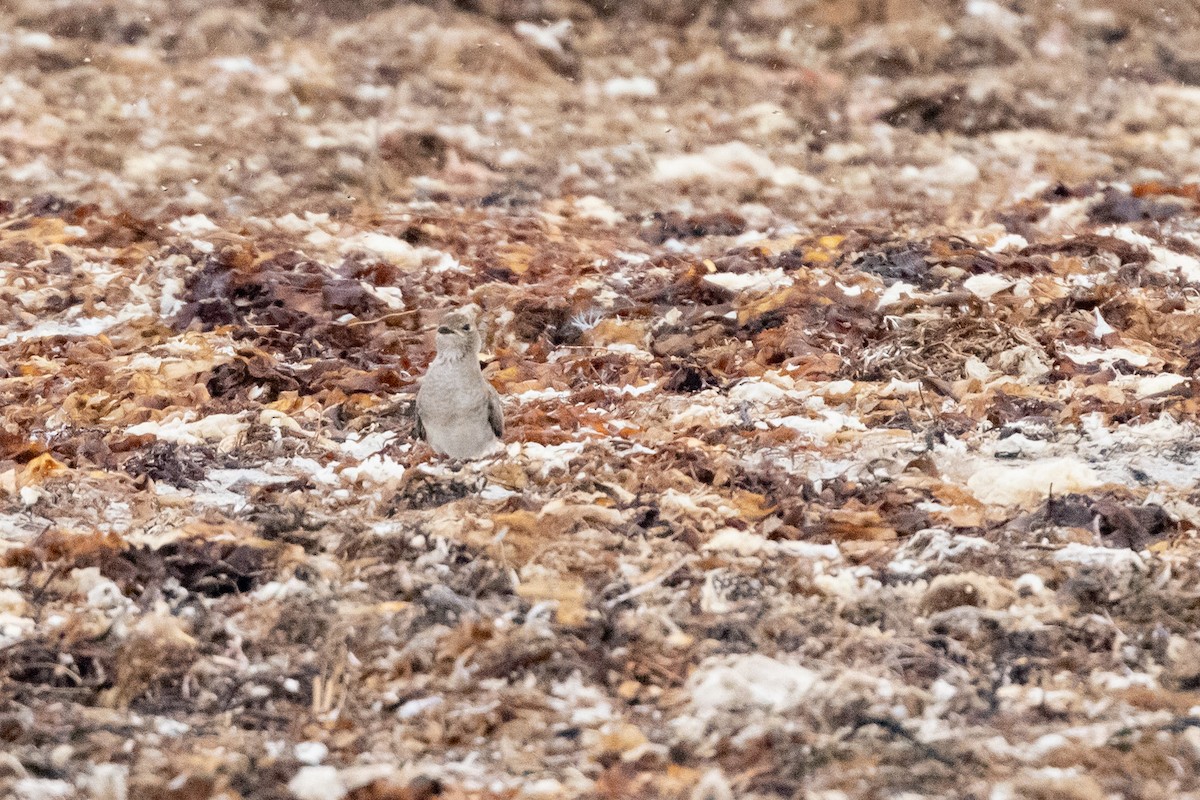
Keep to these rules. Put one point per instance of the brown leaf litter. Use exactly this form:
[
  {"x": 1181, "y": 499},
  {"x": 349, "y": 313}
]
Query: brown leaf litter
[{"x": 847, "y": 358}]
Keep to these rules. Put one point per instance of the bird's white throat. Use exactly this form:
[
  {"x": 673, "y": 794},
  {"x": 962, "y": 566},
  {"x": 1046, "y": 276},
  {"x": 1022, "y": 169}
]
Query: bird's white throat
[{"x": 452, "y": 356}]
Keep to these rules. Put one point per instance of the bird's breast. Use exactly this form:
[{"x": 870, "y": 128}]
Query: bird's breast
[{"x": 445, "y": 394}]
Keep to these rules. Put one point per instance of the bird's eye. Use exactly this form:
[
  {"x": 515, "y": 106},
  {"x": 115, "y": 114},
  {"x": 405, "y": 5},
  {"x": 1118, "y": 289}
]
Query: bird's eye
[{"x": 466, "y": 327}]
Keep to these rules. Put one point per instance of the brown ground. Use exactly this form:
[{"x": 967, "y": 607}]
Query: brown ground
[{"x": 846, "y": 351}]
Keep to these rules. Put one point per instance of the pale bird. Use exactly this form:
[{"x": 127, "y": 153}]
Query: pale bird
[{"x": 458, "y": 411}]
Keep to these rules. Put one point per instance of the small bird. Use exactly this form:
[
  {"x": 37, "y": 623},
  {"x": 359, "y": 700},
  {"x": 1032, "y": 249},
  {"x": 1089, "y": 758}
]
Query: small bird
[{"x": 458, "y": 411}]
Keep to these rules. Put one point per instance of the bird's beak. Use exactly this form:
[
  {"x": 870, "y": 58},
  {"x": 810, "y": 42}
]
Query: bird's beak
[{"x": 444, "y": 329}]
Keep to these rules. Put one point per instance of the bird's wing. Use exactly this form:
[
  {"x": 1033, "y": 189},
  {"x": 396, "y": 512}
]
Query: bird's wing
[
  {"x": 419, "y": 427},
  {"x": 495, "y": 412}
]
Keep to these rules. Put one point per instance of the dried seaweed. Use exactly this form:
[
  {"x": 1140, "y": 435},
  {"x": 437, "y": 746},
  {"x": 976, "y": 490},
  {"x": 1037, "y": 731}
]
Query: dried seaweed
[{"x": 846, "y": 365}]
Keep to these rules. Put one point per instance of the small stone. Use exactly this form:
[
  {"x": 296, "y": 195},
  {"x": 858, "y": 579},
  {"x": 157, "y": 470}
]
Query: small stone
[
  {"x": 311, "y": 753},
  {"x": 317, "y": 783}
]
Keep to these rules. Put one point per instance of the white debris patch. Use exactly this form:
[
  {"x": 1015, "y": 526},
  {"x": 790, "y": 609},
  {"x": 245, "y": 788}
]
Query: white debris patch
[
  {"x": 195, "y": 225},
  {"x": 1028, "y": 485},
  {"x": 377, "y": 469},
  {"x": 852, "y": 584},
  {"x": 640, "y": 86},
  {"x": 396, "y": 251},
  {"x": 826, "y": 424},
  {"x": 1165, "y": 260},
  {"x": 593, "y": 208},
  {"x": 228, "y": 488},
  {"x": 744, "y": 543},
  {"x": 753, "y": 282},
  {"x": 955, "y": 170},
  {"x": 1144, "y": 386},
  {"x": 185, "y": 428},
  {"x": 360, "y": 446},
  {"x": 1107, "y": 355},
  {"x": 1008, "y": 242},
  {"x": 985, "y": 285},
  {"x": 82, "y": 326},
  {"x": 14, "y": 622},
  {"x": 896, "y": 292},
  {"x": 816, "y": 429},
  {"x": 756, "y": 694},
  {"x": 317, "y": 783},
  {"x": 733, "y": 162},
  {"x": 723, "y": 684},
  {"x": 549, "y": 458},
  {"x": 1119, "y": 559}
]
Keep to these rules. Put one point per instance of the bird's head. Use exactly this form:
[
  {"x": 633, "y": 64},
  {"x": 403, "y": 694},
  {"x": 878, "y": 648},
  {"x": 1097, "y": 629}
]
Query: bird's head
[{"x": 458, "y": 335}]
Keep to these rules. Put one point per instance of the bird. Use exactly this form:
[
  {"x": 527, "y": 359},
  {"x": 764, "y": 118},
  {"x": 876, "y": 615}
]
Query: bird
[{"x": 458, "y": 411}]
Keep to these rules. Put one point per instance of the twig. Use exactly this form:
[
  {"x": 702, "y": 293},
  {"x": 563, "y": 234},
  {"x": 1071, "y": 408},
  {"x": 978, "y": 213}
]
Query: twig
[
  {"x": 652, "y": 583},
  {"x": 10, "y": 222},
  {"x": 393, "y": 315},
  {"x": 895, "y": 728}
]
